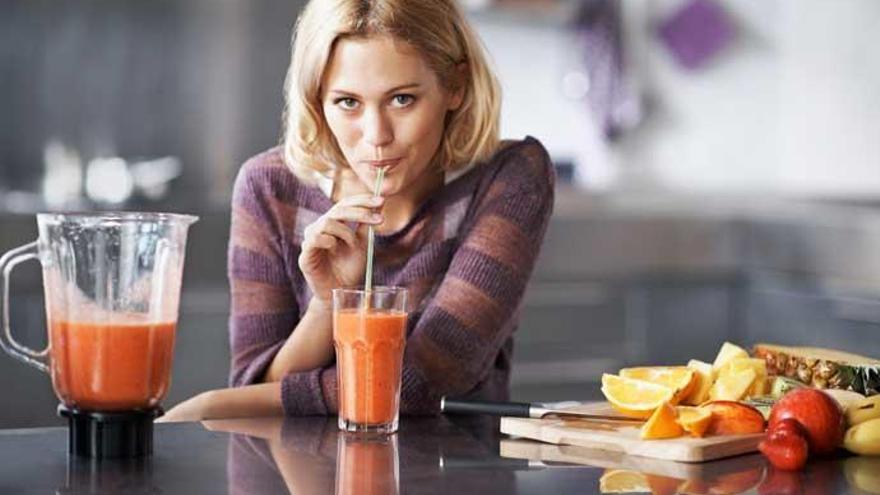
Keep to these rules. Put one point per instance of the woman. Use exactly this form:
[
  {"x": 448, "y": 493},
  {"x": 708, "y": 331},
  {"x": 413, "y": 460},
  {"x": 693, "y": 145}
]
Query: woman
[{"x": 402, "y": 85}]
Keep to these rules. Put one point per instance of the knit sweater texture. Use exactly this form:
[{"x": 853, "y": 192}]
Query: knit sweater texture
[{"x": 465, "y": 256}]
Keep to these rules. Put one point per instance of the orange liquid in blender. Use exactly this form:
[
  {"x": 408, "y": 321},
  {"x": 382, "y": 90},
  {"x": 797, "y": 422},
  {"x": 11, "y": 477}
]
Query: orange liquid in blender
[
  {"x": 369, "y": 354},
  {"x": 109, "y": 366}
]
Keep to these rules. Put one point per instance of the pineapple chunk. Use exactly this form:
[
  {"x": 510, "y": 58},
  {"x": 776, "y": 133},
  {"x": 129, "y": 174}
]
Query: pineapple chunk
[
  {"x": 759, "y": 386},
  {"x": 733, "y": 385},
  {"x": 705, "y": 376},
  {"x": 728, "y": 352}
]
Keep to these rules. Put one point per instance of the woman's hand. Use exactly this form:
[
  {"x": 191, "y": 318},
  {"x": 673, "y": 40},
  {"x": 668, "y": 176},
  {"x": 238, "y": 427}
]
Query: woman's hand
[
  {"x": 263, "y": 399},
  {"x": 333, "y": 255},
  {"x": 195, "y": 408}
]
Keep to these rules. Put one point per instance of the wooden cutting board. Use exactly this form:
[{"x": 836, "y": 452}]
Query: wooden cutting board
[
  {"x": 552, "y": 455},
  {"x": 624, "y": 438}
]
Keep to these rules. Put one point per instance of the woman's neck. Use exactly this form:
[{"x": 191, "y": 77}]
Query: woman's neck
[{"x": 399, "y": 208}]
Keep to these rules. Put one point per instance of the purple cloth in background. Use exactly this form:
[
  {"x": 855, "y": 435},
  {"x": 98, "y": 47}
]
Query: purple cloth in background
[
  {"x": 696, "y": 32},
  {"x": 613, "y": 103}
]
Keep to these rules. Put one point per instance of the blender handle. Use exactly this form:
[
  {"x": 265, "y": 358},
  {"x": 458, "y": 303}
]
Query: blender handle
[{"x": 37, "y": 359}]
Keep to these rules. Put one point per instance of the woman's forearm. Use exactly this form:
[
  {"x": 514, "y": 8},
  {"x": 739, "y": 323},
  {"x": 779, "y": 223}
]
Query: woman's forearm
[
  {"x": 310, "y": 345},
  {"x": 263, "y": 399}
]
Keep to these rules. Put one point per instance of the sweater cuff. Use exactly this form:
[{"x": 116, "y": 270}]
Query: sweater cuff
[{"x": 301, "y": 394}]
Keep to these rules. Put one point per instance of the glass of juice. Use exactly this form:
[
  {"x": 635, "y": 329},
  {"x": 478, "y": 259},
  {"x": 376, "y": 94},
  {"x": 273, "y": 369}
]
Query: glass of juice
[
  {"x": 369, "y": 331},
  {"x": 367, "y": 465}
]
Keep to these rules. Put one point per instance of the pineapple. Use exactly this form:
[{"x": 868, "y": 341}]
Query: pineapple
[{"x": 822, "y": 368}]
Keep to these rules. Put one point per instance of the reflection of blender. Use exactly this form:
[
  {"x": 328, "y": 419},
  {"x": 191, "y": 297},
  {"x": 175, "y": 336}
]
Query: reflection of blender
[{"x": 112, "y": 289}]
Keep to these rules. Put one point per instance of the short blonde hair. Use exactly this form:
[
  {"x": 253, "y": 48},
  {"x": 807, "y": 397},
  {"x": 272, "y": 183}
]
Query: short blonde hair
[{"x": 437, "y": 29}]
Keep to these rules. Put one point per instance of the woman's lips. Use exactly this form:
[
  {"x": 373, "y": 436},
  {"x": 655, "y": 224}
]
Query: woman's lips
[{"x": 386, "y": 164}]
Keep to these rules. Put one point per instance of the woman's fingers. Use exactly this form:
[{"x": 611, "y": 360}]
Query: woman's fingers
[
  {"x": 362, "y": 208},
  {"x": 355, "y": 214},
  {"x": 327, "y": 227}
]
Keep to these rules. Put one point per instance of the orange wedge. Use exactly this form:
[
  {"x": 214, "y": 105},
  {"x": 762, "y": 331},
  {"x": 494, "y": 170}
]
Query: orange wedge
[
  {"x": 694, "y": 420},
  {"x": 681, "y": 379},
  {"x": 635, "y": 398},
  {"x": 662, "y": 424},
  {"x": 623, "y": 481}
]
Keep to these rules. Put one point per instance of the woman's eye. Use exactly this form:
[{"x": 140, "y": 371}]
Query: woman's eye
[
  {"x": 346, "y": 103},
  {"x": 401, "y": 101}
]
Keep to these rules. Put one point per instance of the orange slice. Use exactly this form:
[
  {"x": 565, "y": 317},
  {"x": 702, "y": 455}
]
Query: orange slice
[
  {"x": 662, "y": 424},
  {"x": 681, "y": 379},
  {"x": 623, "y": 481},
  {"x": 694, "y": 420},
  {"x": 636, "y": 398}
]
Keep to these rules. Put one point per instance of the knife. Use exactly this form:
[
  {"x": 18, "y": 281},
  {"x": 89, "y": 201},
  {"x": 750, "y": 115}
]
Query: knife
[{"x": 522, "y": 410}]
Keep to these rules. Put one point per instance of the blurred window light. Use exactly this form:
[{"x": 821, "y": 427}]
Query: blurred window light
[{"x": 108, "y": 180}]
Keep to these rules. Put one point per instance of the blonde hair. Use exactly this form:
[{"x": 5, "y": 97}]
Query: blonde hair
[{"x": 437, "y": 29}]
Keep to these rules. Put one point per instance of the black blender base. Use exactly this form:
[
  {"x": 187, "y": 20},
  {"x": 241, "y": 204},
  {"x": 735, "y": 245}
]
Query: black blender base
[{"x": 109, "y": 435}]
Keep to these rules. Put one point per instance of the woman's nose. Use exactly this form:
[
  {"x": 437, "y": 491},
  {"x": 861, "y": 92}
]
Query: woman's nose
[{"x": 377, "y": 128}]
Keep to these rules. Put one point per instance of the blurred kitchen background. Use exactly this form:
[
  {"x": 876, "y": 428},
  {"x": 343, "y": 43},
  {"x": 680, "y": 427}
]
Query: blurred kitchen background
[{"x": 718, "y": 162}]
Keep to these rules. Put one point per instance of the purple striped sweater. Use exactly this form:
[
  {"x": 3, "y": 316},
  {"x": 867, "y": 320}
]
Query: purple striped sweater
[{"x": 465, "y": 256}]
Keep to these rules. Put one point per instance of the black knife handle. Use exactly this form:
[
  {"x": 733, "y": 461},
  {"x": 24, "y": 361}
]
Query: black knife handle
[{"x": 516, "y": 409}]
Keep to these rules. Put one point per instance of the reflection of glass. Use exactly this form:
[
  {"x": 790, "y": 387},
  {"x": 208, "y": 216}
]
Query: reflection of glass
[
  {"x": 367, "y": 464},
  {"x": 369, "y": 331},
  {"x": 112, "y": 287}
]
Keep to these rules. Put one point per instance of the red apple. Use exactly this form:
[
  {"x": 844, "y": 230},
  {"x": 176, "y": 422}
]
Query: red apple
[
  {"x": 785, "y": 450},
  {"x": 818, "y": 415}
]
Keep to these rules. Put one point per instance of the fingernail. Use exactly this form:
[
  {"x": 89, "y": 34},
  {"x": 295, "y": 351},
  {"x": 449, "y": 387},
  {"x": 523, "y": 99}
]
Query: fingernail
[
  {"x": 378, "y": 200},
  {"x": 376, "y": 217}
]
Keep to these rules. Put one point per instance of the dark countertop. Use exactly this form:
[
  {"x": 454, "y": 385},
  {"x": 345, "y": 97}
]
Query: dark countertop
[{"x": 429, "y": 455}]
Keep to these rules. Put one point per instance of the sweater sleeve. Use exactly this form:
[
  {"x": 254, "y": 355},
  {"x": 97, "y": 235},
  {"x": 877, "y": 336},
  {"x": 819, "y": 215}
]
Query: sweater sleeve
[
  {"x": 263, "y": 307},
  {"x": 475, "y": 309}
]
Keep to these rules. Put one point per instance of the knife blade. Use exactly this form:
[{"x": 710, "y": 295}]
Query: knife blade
[{"x": 522, "y": 410}]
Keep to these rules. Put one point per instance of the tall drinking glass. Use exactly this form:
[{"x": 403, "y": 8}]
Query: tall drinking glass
[{"x": 369, "y": 331}]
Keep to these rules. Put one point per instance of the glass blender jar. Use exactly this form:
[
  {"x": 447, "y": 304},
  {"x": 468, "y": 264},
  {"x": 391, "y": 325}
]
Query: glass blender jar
[{"x": 111, "y": 285}]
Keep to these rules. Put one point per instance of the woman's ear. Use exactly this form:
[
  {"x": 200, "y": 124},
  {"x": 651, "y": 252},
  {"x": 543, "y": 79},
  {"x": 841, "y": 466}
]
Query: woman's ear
[{"x": 457, "y": 94}]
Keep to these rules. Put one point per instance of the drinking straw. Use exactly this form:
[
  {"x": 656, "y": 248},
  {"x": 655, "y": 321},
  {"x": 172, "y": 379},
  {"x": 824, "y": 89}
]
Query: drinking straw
[{"x": 371, "y": 239}]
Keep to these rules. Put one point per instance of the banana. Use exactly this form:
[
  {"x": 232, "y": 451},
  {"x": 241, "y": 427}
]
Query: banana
[
  {"x": 863, "y": 438},
  {"x": 863, "y": 410},
  {"x": 863, "y": 473}
]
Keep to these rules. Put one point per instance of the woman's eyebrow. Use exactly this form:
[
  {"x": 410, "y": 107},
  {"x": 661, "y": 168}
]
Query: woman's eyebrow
[{"x": 395, "y": 89}]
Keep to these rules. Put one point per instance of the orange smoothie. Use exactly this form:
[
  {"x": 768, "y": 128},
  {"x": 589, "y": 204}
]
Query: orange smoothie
[
  {"x": 369, "y": 355},
  {"x": 111, "y": 367}
]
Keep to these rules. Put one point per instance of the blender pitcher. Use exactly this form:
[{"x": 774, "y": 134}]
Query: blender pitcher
[{"x": 111, "y": 284}]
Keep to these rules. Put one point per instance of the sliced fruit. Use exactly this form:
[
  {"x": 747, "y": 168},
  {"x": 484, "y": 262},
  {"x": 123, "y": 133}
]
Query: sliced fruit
[
  {"x": 730, "y": 418},
  {"x": 662, "y": 424},
  {"x": 636, "y": 398},
  {"x": 623, "y": 481},
  {"x": 863, "y": 438},
  {"x": 863, "y": 410},
  {"x": 705, "y": 376},
  {"x": 727, "y": 352},
  {"x": 740, "y": 364},
  {"x": 694, "y": 420},
  {"x": 781, "y": 385},
  {"x": 681, "y": 379},
  {"x": 822, "y": 368},
  {"x": 733, "y": 385}
]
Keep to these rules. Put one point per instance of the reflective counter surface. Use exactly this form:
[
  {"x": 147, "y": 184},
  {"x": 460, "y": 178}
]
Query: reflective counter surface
[{"x": 428, "y": 455}]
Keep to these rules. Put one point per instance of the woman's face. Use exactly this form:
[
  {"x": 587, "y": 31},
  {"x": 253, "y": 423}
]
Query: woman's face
[{"x": 386, "y": 108}]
